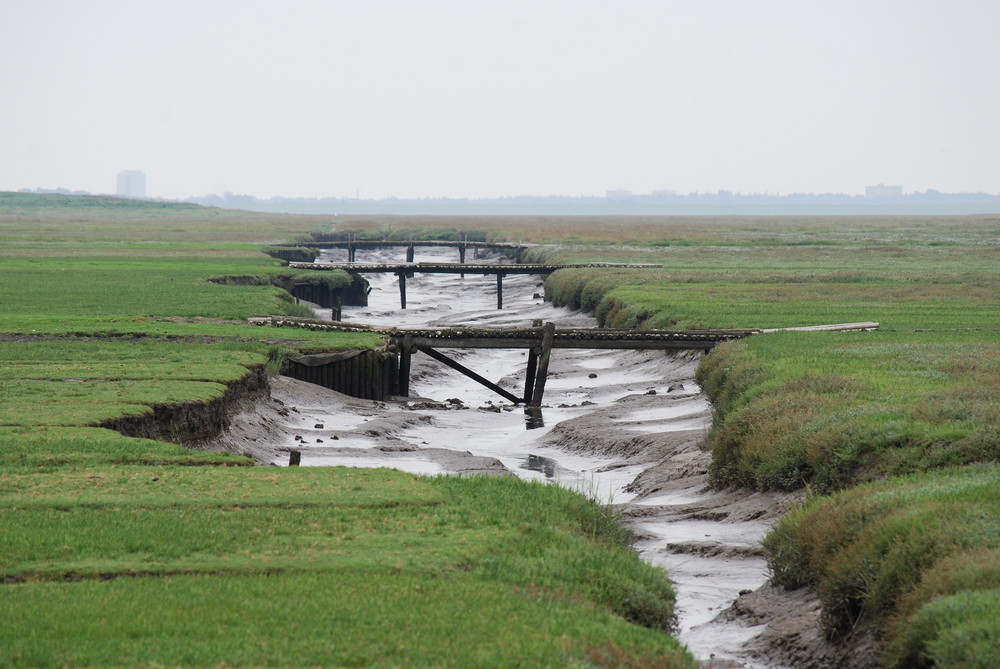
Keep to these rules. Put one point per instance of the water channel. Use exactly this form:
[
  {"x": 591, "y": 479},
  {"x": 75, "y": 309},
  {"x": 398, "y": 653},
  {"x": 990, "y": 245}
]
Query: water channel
[{"x": 616, "y": 425}]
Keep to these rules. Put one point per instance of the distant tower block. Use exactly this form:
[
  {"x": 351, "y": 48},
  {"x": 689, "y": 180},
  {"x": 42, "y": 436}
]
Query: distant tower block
[{"x": 131, "y": 183}]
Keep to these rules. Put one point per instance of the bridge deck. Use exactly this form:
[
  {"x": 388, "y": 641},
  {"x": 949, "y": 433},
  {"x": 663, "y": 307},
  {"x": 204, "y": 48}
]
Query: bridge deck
[
  {"x": 579, "y": 338},
  {"x": 388, "y": 243},
  {"x": 459, "y": 268}
]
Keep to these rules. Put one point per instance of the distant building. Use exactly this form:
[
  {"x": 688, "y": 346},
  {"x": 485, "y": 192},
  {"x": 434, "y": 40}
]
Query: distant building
[
  {"x": 620, "y": 194},
  {"x": 131, "y": 183},
  {"x": 883, "y": 191}
]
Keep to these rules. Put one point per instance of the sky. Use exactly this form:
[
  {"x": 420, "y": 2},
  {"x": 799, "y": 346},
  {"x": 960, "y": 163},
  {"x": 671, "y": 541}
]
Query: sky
[{"x": 482, "y": 99}]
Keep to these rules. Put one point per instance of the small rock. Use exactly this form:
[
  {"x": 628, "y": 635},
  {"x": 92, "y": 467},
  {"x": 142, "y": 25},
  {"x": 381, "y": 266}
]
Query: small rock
[
  {"x": 298, "y": 437},
  {"x": 592, "y": 375},
  {"x": 651, "y": 392},
  {"x": 537, "y": 296},
  {"x": 336, "y": 437},
  {"x": 319, "y": 441},
  {"x": 454, "y": 400},
  {"x": 318, "y": 426}
]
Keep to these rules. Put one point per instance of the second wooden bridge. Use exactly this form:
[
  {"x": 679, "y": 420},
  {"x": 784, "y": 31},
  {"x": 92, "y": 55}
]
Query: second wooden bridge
[{"x": 403, "y": 270}]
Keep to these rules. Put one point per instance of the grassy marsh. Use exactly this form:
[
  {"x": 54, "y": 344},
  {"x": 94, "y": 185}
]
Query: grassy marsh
[{"x": 126, "y": 551}]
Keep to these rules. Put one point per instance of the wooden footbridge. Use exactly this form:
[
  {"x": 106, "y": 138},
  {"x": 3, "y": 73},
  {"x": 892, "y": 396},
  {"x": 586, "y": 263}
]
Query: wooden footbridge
[
  {"x": 352, "y": 246},
  {"x": 403, "y": 270},
  {"x": 539, "y": 340}
]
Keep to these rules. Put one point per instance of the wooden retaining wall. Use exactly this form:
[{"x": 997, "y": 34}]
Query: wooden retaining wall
[{"x": 370, "y": 375}]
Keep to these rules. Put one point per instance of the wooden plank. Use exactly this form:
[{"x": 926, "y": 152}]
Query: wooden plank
[{"x": 457, "y": 366}]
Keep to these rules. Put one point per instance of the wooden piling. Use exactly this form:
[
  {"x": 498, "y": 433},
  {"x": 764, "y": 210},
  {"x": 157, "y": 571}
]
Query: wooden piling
[
  {"x": 402, "y": 289},
  {"x": 499, "y": 291},
  {"x": 529, "y": 375},
  {"x": 548, "y": 334},
  {"x": 294, "y": 458},
  {"x": 405, "y": 351}
]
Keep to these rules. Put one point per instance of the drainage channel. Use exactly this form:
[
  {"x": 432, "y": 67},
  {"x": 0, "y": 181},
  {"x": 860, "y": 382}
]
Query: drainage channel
[{"x": 620, "y": 426}]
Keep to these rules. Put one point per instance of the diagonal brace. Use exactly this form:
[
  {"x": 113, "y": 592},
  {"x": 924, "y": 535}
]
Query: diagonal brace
[{"x": 445, "y": 360}]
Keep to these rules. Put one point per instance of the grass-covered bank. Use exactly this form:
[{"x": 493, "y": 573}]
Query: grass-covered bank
[
  {"x": 908, "y": 414},
  {"x": 297, "y": 567},
  {"x": 919, "y": 556},
  {"x": 119, "y": 551}
]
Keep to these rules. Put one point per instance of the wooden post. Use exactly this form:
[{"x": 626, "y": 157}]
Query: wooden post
[
  {"x": 405, "y": 350},
  {"x": 409, "y": 253},
  {"x": 461, "y": 258},
  {"x": 499, "y": 290},
  {"x": 548, "y": 334},
  {"x": 350, "y": 251},
  {"x": 402, "y": 289},
  {"x": 529, "y": 375},
  {"x": 338, "y": 309},
  {"x": 294, "y": 458}
]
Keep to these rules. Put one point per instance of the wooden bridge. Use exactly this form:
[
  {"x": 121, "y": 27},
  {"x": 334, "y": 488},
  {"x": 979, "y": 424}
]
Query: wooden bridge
[
  {"x": 352, "y": 246},
  {"x": 403, "y": 270},
  {"x": 539, "y": 340}
]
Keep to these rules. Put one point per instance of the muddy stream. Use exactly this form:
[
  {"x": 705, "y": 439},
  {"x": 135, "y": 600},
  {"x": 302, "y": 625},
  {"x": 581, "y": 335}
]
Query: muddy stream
[{"x": 623, "y": 427}]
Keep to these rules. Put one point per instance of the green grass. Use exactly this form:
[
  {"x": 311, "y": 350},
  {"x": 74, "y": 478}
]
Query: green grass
[
  {"x": 832, "y": 409},
  {"x": 364, "y": 618},
  {"x": 36, "y": 449},
  {"x": 371, "y": 554},
  {"x": 918, "y": 555}
]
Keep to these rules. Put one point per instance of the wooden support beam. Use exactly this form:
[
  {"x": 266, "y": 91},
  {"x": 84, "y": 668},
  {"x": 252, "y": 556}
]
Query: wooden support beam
[
  {"x": 410, "y": 252},
  {"x": 405, "y": 350},
  {"x": 350, "y": 252},
  {"x": 529, "y": 374},
  {"x": 499, "y": 291},
  {"x": 548, "y": 334},
  {"x": 402, "y": 289},
  {"x": 454, "y": 364}
]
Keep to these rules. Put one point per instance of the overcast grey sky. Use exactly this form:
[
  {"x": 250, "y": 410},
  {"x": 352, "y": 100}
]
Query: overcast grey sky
[{"x": 471, "y": 98}]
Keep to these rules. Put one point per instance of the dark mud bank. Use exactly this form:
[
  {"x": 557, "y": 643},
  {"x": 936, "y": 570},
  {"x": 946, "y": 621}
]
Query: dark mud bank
[{"x": 189, "y": 423}]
